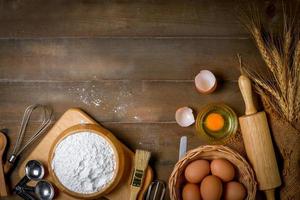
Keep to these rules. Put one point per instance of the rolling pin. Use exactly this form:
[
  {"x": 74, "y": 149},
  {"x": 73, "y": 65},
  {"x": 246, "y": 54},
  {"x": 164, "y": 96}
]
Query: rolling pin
[{"x": 258, "y": 142}]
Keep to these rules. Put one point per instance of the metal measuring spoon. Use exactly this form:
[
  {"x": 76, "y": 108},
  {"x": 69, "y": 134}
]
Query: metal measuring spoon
[
  {"x": 34, "y": 170},
  {"x": 44, "y": 190}
]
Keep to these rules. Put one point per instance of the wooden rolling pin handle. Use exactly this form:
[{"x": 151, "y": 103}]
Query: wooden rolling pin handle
[
  {"x": 246, "y": 90},
  {"x": 7, "y": 166},
  {"x": 270, "y": 194}
]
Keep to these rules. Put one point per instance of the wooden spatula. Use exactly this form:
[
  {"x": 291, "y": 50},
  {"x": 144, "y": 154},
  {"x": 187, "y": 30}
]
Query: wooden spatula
[{"x": 3, "y": 188}]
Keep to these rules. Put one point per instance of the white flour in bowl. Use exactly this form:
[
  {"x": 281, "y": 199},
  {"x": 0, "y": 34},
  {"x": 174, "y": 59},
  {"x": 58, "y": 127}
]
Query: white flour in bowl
[{"x": 84, "y": 162}]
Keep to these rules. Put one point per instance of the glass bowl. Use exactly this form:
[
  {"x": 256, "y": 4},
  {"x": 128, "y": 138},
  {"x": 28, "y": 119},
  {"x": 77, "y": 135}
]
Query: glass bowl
[{"x": 228, "y": 129}]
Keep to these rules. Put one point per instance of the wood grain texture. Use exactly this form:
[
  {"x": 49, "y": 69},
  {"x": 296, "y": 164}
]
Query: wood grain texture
[
  {"x": 256, "y": 133},
  {"x": 246, "y": 91},
  {"x": 258, "y": 142},
  {"x": 121, "y": 101},
  {"x": 3, "y": 186},
  {"x": 27, "y": 19},
  {"x": 134, "y": 59}
]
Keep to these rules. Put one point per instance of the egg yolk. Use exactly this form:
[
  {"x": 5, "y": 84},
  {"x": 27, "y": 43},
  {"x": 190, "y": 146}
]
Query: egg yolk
[{"x": 214, "y": 122}]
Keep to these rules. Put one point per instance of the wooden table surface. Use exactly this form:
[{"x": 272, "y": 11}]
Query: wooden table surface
[{"x": 128, "y": 64}]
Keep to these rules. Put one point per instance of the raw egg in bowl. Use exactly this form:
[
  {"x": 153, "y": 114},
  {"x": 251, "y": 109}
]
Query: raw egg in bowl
[{"x": 216, "y": 122}]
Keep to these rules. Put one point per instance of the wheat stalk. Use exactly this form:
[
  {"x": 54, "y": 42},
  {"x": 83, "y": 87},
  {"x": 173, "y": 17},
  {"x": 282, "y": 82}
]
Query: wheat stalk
[
  {"x": 280, "y": 89},
  {"x": 267, "y": 87},
  {"x": 297, "y": 75}
]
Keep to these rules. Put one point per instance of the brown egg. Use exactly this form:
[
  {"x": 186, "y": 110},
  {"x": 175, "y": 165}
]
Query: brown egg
[
  {"x": 196, "y": 171},
  {"x": 223, "y": 169},
  {"x": 191, "y": 192},
  {"x": 211, "y": 188},
  {"x": 234, "y": 191}
]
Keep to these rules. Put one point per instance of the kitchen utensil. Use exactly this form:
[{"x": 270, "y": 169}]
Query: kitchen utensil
[
  {"x": 43, "y": 190},
  {"x": 156, "y": 190},
  {"x": 25, "y": 195},
  {"x": 34, "y": 170},
  {"x": 258, "y": 142},
  {"x": 18, "y": 148},
  {"x": 182, "y": 147},
  {"x": 244, "y": 172},
  {"x": 3, "y": 187},
  {"x": 110, "y": 138},
  {"x": 141, "y": 162},
  {"x": 230, "y": 123},
  {"x": 71, "y": 118}
]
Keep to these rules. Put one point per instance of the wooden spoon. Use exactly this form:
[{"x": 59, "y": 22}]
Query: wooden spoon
[{"x": 3, "y": 189}]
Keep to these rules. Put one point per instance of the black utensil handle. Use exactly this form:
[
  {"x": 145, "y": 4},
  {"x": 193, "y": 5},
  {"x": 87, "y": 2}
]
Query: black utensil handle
[
  {"x": 23, "y": 181},
  {"x": 26, "y": 196},
  {"x": 28, "y": 188}
]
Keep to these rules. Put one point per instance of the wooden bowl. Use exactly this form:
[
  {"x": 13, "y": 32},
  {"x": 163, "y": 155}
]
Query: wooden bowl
[
  {"x": 244, "y": 173},
  {"x": 111, "y": 139}
]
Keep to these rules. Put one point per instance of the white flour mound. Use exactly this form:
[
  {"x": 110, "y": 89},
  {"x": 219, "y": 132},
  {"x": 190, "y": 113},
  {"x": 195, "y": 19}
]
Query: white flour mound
[{"x": 84, "y": 162}]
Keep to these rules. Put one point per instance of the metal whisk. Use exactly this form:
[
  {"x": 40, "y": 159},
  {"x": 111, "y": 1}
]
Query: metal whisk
[
  {"x": 18, "y": 148},
  {"x": 156, "y": 190}
]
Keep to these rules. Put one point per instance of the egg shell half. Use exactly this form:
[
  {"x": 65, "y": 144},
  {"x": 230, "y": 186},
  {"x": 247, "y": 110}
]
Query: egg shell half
[
  {"x": 184, "y": 117},
  {"x": 205, "y": 82}
]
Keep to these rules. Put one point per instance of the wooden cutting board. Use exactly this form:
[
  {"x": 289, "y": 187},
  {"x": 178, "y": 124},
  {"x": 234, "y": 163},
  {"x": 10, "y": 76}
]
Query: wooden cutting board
[{"x": 70, "y": 118}]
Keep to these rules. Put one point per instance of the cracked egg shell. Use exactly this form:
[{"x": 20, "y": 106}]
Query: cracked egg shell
[
  {"x": 205, "y": 82},
  {"x": 184, "y": 117}
]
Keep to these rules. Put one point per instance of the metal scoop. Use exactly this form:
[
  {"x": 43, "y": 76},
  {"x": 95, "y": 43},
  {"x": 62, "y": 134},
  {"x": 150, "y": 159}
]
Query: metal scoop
[
  {"x": 34, "y": 170},
  {"x": 43, "y": 190}
]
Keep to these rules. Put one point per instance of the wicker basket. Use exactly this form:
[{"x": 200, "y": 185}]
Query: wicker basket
[{"x": 244, "y": 172}]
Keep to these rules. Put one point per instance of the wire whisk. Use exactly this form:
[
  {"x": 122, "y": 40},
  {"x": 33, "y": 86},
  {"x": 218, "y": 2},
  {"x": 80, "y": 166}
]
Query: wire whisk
[
  {"x": 156, "y": 190},
  {"x": 47, "y": 114}
]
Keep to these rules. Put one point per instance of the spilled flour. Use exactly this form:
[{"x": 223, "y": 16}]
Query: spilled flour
[
  {"x": 84, "y": 162},
  {"x": 91, "y": 95}
]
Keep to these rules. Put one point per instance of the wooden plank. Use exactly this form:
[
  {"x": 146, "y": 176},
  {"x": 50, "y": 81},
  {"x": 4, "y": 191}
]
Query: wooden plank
[
  {"x": 115, "y": 101},
  {"x": 102, "y": 59},
  {"x": 79, "y": 18}
]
